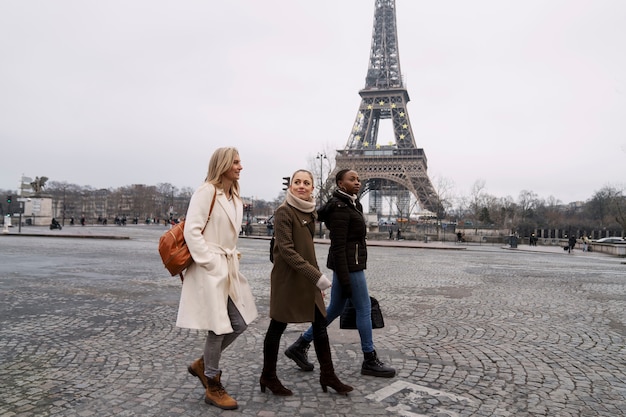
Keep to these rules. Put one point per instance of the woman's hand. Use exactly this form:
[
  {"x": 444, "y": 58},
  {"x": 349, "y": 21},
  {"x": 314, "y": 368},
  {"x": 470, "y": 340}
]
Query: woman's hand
[{"x": 323, "y": 283}]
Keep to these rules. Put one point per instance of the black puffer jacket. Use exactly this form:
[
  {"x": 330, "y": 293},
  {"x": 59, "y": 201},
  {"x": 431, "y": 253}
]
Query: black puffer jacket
[{"x": 348, "y": 251}]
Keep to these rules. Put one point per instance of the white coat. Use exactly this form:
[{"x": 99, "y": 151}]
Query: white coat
[{"x": 214, "y": 276}]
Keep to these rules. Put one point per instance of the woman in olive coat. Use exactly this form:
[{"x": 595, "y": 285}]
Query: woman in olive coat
[
  {"x": 297, "y": 285},
  {"x": 347, "y": 258}
]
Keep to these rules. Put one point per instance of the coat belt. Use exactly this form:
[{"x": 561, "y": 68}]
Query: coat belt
[{"x": 232, "y": 259}]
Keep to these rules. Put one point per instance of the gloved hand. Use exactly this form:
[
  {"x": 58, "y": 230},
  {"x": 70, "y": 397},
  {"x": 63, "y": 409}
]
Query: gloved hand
[{"x": 323, "y": 283}]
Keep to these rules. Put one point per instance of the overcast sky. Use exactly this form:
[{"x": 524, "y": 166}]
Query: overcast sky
[{"x": 523, "y": 95}]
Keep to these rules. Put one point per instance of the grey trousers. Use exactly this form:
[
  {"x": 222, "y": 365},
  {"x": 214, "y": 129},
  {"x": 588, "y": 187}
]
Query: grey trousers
[{"x": 215, "y": 344}]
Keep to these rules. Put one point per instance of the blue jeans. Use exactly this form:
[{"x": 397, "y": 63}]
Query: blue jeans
[{"x": 361, "y": 301}]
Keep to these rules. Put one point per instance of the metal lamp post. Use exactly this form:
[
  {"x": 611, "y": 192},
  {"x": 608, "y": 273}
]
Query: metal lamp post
[{"x": 321, "y": 157}]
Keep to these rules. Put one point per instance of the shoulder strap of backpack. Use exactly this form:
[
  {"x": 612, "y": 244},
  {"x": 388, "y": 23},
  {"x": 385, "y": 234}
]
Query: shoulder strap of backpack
[
  {"x": 182, "y": 278},
  {"x": 210, "y": 211}
]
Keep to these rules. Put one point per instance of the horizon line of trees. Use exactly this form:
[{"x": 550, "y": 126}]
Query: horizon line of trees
[{"x": 604, "y": 210}]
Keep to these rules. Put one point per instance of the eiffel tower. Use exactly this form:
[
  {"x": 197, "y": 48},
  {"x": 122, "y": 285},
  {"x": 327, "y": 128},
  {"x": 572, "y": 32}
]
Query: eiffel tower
[{"x": 386, "y": 170}]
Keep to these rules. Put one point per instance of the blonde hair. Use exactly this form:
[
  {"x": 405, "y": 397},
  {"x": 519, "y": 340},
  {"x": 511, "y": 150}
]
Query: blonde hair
[
  {"x": 306, "y": 172},
  {"x": 221, "y": 162}
]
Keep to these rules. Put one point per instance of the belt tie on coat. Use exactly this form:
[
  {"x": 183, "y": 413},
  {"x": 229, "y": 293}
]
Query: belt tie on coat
[{"x": 232, "y": 259}]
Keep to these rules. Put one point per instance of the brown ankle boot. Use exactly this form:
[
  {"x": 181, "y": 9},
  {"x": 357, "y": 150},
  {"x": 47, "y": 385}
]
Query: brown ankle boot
[
  {"x": 330, "y": 380},
  {"x": 217, "y": 395},
  {"x": 273, "y": 383},
  {"x": 197, "y": 369},
  {"x": 327, "y": 370}
]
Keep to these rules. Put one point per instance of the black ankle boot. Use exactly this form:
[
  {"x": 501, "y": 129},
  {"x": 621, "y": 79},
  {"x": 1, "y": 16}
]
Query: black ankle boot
[
  {"x": 372, "y": 366},
  {"x": 298, "y": 353}
]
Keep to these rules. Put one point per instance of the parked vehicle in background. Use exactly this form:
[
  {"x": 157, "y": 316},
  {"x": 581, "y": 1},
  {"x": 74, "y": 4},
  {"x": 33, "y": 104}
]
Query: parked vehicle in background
[{"x": 614, "y": 239}]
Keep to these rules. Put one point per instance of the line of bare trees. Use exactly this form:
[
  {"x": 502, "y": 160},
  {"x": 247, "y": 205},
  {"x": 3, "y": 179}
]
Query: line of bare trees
[
  {"x": 604, "y": 210},
  {"x": 141, "y": 203}
]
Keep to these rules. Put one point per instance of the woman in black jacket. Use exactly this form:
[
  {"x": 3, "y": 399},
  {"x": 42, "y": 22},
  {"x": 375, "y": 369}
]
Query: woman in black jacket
[{"x": 347, "y": 258}]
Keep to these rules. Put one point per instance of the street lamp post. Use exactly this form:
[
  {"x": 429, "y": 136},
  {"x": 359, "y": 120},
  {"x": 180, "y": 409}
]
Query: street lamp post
[
  {"x": 63, "y": 219},
  {"x": 171, "y": 202},
  {"x": 321, "y": 157}
]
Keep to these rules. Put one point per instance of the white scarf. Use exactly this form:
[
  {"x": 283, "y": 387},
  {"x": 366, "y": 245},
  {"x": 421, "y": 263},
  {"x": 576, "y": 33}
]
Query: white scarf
[
  {"x": 352, "y": 197},
  {"x": 300, "y": 204}
]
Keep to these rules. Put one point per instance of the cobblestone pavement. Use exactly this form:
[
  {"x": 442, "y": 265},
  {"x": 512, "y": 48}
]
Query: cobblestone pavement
[{"x": 87, "y": 329}]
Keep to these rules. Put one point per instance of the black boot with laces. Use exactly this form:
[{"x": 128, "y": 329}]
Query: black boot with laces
[
  {"x": 372, "y": 366},
  {"x": 298, "y": 352}
]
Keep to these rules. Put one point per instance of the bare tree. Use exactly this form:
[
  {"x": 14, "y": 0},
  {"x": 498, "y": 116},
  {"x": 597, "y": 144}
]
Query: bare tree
[
  {"x": 608, "y": 205},
  {"x": 504, "y": 212},
  {"x": 598, "y": 208},
  {"x": 620, "y": 210},
  {"x": 460, "y": 208},
  {"x": 476, "y": 199},
  {"x": 321, "y": 166},
  {"x": 443, "y": 198},
  {"x": 527, "y": 202},
  {"x": 67, "y": 199},
  {"x": 443, "y": 188},
  {"x": 549, "y": 212},
  {"x": 605, "y": 211}
]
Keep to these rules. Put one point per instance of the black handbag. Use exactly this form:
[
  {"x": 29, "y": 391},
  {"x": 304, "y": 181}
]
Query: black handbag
[{"x": 348, "y": 316}]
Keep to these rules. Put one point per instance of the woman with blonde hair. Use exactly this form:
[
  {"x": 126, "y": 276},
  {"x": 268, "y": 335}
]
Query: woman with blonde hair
[
  {"x": 297, "y": 285},
  {"x": 347, "y": 258},
  {"x": 215, "y": 296}
]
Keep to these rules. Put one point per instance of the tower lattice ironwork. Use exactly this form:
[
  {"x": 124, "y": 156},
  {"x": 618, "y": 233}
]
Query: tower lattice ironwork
[{"x": 392, "y": 169}]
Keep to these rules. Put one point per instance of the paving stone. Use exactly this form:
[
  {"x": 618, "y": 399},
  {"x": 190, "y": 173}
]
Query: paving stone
[{"x": 87, "y": 327}]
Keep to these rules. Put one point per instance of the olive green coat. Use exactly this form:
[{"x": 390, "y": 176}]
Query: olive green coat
[{"x": 293, "y": 293}]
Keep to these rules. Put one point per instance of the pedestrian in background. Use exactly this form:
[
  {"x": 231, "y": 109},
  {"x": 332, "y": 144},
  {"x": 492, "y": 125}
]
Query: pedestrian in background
[
  {"x": 347, "y": 258},
  {"x": 215, "y": 296},
  {"x": 571, "y": 243},
  {"x": 297, "y": 285}
]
